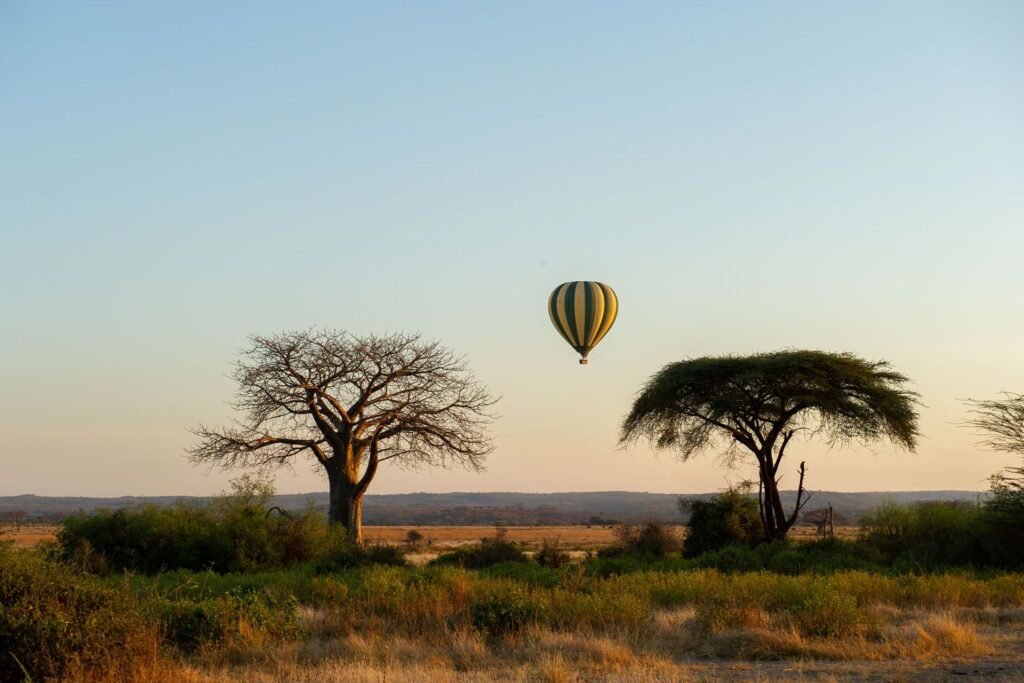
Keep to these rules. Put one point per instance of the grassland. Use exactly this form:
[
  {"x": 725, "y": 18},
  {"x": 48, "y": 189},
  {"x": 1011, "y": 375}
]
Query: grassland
[
  {"x": 230, "y": 592},
  {"x": 592, "y": 619}
]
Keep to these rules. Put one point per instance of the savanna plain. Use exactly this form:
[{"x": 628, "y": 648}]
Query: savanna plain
[{"x": 235, "y": 592}]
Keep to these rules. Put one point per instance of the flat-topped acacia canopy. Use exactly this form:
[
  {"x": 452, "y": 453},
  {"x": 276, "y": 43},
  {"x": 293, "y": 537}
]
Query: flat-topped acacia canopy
[{"x": 758, "y": 403}]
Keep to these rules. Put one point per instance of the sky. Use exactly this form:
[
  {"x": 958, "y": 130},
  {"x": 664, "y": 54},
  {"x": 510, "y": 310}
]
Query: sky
[{"x": 175, "y": 177}]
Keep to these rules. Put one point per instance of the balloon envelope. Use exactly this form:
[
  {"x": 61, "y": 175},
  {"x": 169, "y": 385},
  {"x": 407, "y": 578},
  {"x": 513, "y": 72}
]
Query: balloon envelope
[{"x": 583, "y": 312}]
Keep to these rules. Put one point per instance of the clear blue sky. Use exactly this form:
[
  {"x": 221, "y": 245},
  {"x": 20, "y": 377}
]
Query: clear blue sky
[{"x": 747, "y": 176}]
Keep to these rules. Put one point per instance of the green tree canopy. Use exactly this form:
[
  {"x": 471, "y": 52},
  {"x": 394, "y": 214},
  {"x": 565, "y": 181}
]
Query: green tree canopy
[{"x": 759, "y": 403}]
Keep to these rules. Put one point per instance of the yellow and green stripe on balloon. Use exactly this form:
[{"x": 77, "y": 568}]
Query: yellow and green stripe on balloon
[{"x": 583, "y": 312}]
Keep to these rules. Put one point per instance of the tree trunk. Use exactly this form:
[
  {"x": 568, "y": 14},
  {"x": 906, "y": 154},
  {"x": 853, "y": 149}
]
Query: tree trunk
[
  {"x": 346, "y": 505},
  {"x": 774, "y": 517}
]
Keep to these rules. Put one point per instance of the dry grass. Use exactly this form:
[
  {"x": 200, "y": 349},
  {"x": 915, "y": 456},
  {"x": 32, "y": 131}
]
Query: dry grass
[
  {"x": 28, "y": 535},
  {"x": 676, "y": 647},
  {"x": 415, "y": 625},
  {"x": 756, "y": 635}
]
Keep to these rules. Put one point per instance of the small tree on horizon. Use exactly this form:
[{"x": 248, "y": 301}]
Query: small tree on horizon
[
  {"x": 757, "y": 404},
  {"x": 350, "y": 403}
]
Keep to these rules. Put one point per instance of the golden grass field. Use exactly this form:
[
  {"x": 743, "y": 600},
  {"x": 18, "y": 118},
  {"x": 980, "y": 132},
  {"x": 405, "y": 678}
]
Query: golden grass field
[{"x": 943, "y": 628}]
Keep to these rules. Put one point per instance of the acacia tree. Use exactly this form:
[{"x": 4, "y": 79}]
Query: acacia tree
[
  {"x": 1002, "y": 423},
  {"x": 350, "y": 403},
  {"x": 758, "y": 404}
]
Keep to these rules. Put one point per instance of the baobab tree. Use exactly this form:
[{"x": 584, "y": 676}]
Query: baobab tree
[
  {"x": 350, "y": 403},
  {"x": 757, "y": 404}
]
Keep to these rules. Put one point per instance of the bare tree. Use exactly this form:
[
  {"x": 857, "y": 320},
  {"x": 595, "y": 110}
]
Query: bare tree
[
  {"x": 351, "y": 403},
  {"x": 1002, "y": 422}
]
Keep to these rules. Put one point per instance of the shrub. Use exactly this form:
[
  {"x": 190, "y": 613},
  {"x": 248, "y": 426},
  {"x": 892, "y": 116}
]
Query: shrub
[
  {"x": 651, "y": 539},
  {"x": 1003, "y": 515},
  {"x": 58, "y": 623},
  {"x": 489, "y": 552},
  {"x": 505, "y": 610},
  {"x": 341, "y": 553},
  {"x": 154, "y": 539},
  {"x": 728, "y": 518},
  {"x": 930, "y": 535},
  {"x": 191, "y": 624},
  {"x": 889, "y": 521},
  {"x": 733, "y": 558},
  {"x": 235, "y": 533},
  {"x": 551, "y": 555}
]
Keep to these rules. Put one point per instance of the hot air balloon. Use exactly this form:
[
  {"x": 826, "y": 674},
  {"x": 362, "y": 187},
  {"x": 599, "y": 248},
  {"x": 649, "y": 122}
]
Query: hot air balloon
[{"x": 583, "y": 312}]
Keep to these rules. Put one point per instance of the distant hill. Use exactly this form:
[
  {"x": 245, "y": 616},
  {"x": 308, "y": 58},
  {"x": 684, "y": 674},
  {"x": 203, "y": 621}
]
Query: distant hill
[{"x": 592, "y": 507}]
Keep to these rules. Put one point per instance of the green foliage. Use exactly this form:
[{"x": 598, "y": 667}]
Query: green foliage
[
  {"x": 812, "y": 610},
  {"x": 1002, "y": 424},
  {"x": 526, "y": 573},
  {"x": 55, "y": 622},
  {"x": 682, "y": 405},
  {"x": 505, "y": 610},
  {"x": 827, "y": 613},
  {"x": 733, "y": 558},
  {"x": 59, "y": 621},
  {"x": 728, "y": 518},
  {"x": 236, "y": 533},
  {"x": 191, "y": 624},
  {"x": 757, "y": 404},
  {"x": 651, "y": 539},
  {"x": 340, "y": 553},
  {"x": 1004, "y": 516},
  {"x": 489, "y": 552},
  {"x": 224, "y": 539},
  {"x": 888, "y": 523},
  {"x": 934, "y": 535}
]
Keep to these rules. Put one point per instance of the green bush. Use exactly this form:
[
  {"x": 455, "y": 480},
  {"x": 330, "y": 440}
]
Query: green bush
[
  {"x": 1003, "y": 514},
  {"x": 154, "y": 539},
  {"x": 931, "y": 535},
  {"x": 487, "y": 553},
  {"x": 340, "y": 553},
  {"x": 733, "y": 558},
  {"x": 728, "y": 518},
  {"x": 505, "y": 610},
  {"x": 652, "y": 539},
  {"x": 235, "y": 533},
  {"x": 58, "y": 623},
  {"x": 191, "y": 624}
]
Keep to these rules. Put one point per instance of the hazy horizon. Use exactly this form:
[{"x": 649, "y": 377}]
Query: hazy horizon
[
  {"x": 846, "y": 178},
  {"x": 371, "y": 492}
]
